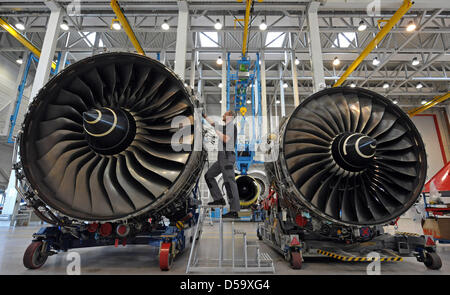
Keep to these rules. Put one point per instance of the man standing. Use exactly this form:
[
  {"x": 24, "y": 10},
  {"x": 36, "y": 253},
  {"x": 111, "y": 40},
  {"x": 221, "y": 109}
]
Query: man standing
[{"x": 225, "y": 164}]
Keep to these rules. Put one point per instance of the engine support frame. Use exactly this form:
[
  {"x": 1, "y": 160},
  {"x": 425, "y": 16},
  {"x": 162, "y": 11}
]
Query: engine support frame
[
  {"x": 289, "y": 231},
  {"x": 175, "y": 237}
]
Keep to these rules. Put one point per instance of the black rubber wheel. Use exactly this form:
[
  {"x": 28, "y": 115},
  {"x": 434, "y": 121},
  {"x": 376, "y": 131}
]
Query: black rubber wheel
[
  {"x": 258, "y": 235},
  {"x": 296, "y": 260},
  {"x": 199, "y": 234},
  {"x": 432, "y": 261},
  {"x": 33, "y": 257}
]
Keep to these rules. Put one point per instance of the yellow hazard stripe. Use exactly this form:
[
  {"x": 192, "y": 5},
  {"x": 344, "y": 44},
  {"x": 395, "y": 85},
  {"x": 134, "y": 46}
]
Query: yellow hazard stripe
[
  {"x": 356, "y": 258},
  {"x": 408, "y": 234}
]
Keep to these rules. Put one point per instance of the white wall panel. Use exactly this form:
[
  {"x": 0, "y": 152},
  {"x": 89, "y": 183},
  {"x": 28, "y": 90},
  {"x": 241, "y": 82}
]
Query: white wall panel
[
  {"x": 428, "y": 131},
  {"x": 8, "y": 77}
]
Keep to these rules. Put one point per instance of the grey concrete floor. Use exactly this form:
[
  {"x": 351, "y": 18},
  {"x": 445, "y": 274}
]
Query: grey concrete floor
[{"x": 143, "y": 259}]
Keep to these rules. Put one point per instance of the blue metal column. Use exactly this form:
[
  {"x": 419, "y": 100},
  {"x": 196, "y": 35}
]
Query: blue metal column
[
  {"x": 259, "y": 98},
  {"x": 58, "y": 62},
  {"x": 228, "y": 80},
  {"x": 13, "y": 118},
  {"x": 224, "y": 82},
  {"x": 254, "y": 127}
]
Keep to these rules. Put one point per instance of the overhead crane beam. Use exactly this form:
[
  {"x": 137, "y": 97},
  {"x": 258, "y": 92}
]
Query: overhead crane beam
[
  {"x": 126, "y": 26},
  {"x": 22, "y": 39},
  {"x": 381, "y": 34},
  {"x": 429, "y": 104},
  {"x": 248, "y": 7}
]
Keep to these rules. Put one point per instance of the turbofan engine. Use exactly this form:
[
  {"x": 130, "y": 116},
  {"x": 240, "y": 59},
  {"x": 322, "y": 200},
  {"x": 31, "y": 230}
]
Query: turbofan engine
[
  {"x": 349, "y": 156},
  {"x": 96, "y": 141}
]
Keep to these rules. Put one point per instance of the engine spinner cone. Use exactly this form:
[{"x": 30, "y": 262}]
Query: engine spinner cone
[
  {"x": 108, "y": 131},
  {"x": 353, "y": 151}
]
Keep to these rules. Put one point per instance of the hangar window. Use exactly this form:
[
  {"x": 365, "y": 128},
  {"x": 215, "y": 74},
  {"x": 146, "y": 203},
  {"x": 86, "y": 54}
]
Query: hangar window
[
  {"x": 275, "y": 39},
  {"x": 90, "y": 36},
  {"x": 344, "y": 39},
  {"x": 209, "y": 39}
]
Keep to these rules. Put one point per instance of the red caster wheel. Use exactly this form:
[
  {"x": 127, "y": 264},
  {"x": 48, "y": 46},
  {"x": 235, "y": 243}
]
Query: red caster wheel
[
  {"x": 34, "y": 258},
  {"x": 296, "y": 260},
  {"x": 165, "y": 256}
]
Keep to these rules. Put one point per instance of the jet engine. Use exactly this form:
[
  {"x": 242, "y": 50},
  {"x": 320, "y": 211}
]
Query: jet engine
[
  {"x": 252, "y": 187},
  {"x": 349, "y": 156},
  {"x": 249, "y": 190},
  {"x": 96, "y": 143}
]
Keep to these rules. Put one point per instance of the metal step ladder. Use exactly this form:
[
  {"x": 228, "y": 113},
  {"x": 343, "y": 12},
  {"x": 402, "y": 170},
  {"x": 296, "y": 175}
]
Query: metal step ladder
[{"x": 262, "y": 262}]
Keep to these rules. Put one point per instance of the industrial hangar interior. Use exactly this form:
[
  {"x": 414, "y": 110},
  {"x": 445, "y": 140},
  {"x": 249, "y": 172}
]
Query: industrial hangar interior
[{"x": 115, "y": 137}]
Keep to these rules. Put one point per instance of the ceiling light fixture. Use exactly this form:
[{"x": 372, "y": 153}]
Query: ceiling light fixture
[
  {"x": 362, "y": 26},
  {"x": 20, "y": 26},
  {"x": 336, "y": 61},
  {"x": 116, "y": 25},
  {"x": 375, "y": 61},
  {"x": 263, "y": 26},
  {"x": 411, "y": 26},
  {"x": 165, "y": 25},
  {"x": 219, "y": 61},
  {"x": 415, "y": 61},
  {"x": 218, "y": 25},
  {"x": 64, "y": 25}
]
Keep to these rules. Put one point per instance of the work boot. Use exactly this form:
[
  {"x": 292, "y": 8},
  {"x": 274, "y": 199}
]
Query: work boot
[
  {"x": 231, "y": 215},
  {"x": 220, "y": 202}
]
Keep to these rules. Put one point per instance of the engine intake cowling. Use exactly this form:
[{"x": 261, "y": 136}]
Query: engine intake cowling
[
  {"x": 350, "y": 156},
  {"x": 96, "y": 141}
]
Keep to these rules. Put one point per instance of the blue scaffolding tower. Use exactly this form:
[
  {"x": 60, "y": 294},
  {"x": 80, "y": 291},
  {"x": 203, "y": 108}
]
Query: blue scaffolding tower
[
  {"x": 22, "y": 85},
  {"x": 246, "y": 79}
]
